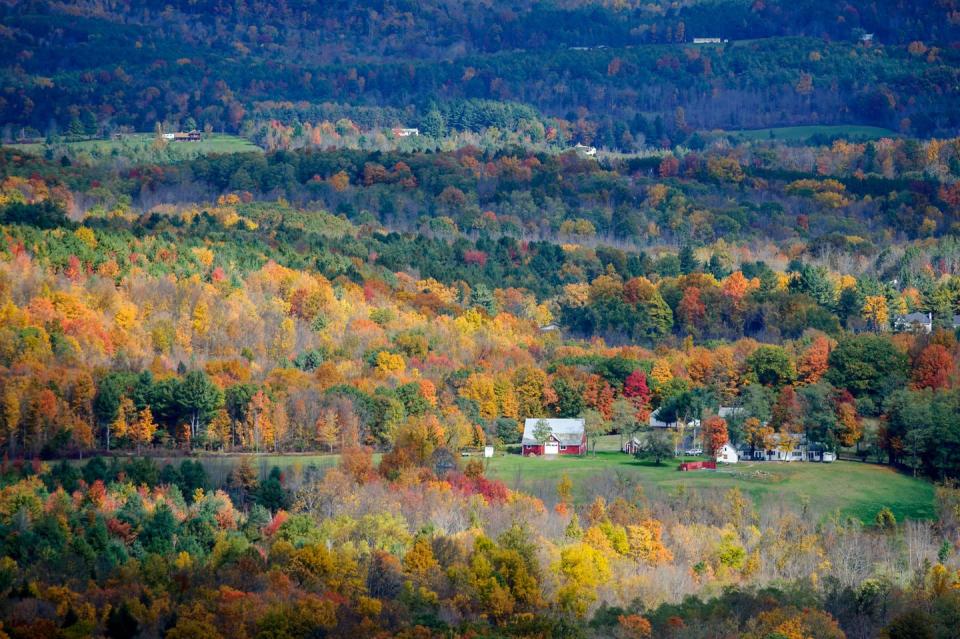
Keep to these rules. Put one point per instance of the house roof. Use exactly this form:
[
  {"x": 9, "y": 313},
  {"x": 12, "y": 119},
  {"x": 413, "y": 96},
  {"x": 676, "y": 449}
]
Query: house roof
[
  {"x": 729, "y": 411},
  {"x": 919, "y": 318},
  {"x": 567, "y": 431}
]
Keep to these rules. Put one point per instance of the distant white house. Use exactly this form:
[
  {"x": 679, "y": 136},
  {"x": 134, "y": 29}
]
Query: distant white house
[
  {"x": 786, "y": 447},
  {"x": 914, "y": 323},
  {"x": 181, "y": 136},
  {"x": 549, "y": 328},
  {"x": 789, "y": 447},
  {"x": 402, "y": 132},
  {"x": 709, "y": 40},
  {"x": 585, "y": 150},
  {"x": 727, "y": 454},
  {"x": 866, "y": 37}
]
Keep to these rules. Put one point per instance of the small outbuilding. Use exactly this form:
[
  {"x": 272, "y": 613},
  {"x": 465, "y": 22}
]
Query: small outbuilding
[
  {"x": 727, "y": 454},
  {"x": 632, "y": 446}
]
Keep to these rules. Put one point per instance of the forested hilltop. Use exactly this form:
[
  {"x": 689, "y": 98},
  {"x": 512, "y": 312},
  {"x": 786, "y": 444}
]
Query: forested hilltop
[{"x": 616, "y": 74}]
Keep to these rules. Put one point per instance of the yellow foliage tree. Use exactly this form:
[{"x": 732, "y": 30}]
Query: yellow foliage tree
[
  {"x": 87, "y": 236},
  {"x": 126, "y": 413},
  {"x": 506, "y": 397},
  {"x": 875, "y": 311},
  {"x": 661, "y": 373},
  {"x": 420, "y": 562},
  {"x": 143, "y": 429},
  {"x": 388, "y": 362},
  {"x": 285, "y": 339},
  {"x": 219, "y": 429},
  {"x": 481, "y": 389},
  {"x": 581, "y": 569},
  {"x": 200, "y": 319},
  {"x": 646, "y": 543}
]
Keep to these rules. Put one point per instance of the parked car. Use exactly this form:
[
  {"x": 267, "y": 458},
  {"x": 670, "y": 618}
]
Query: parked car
[{"x": 694, "y": 451}]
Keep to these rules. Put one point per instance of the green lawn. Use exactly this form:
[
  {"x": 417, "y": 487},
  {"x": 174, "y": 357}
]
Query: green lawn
[
  {"x": 139, "y": 146},
  {"x": 852, "y": 488},
  {"x": 800, "y": 133}
]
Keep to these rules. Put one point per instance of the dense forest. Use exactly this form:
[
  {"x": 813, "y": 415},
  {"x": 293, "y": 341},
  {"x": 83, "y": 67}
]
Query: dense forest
[{"x": 605, "y": 72}]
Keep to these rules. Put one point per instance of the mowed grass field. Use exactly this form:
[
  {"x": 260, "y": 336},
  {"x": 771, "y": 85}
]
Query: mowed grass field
[
  {"x": 800, "y": 133},
  {"x": 137, "y": 143},
  {"x": 849, "y": 488}
]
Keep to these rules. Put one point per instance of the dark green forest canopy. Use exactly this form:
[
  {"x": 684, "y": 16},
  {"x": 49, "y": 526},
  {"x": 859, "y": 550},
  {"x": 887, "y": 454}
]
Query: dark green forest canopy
[{"x": 221, "y": 63}]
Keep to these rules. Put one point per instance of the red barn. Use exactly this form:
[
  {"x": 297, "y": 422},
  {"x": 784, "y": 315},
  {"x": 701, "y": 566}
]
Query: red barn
[{"x": 566, "y": 436}]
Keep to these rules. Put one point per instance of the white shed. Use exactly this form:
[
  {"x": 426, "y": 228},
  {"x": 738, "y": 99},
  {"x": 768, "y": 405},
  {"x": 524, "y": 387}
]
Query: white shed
[{"x": 727, "y": 454}]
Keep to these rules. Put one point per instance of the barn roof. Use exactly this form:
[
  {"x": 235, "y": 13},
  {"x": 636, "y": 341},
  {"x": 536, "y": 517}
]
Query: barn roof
[{"x": 567, "y": 431}]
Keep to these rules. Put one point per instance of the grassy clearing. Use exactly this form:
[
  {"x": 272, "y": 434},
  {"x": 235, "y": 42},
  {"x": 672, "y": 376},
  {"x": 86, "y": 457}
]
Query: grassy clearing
[
  {"x": 851, "y": 488},
  {"x": 801, "y": 133},
  {"x": 140, "y": 146}
]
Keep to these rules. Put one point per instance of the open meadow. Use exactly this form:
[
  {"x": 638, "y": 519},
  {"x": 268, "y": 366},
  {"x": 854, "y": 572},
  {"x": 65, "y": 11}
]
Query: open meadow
[
  {"x": 850, "y": 132},
  {"x": 140, "y": 146},
  {"x": 849, "y": 488}
]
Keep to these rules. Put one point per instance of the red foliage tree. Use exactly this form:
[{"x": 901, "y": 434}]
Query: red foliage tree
[
  {"x": 636, "y": 389},
  {"x": 477, "y": 258},
  {"x": 691, "y": 309},
  {"x": 933, "y": 367},
  {"x": 715, "y": 434}
]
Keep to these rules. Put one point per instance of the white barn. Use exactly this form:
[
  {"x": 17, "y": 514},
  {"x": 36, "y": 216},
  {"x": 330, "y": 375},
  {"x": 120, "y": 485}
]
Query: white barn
[{"x": 727, "y": 454}]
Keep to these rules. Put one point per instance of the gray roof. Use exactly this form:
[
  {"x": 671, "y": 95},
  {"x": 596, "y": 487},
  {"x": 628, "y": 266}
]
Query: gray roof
[
  {"x": 910, "y": 318},
  {"x": 567, "y": 431},
  {"x": 729, "y": 411}
]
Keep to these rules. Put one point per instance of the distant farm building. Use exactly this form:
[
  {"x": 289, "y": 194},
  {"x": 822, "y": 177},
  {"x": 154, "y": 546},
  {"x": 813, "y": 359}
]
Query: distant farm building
[
  {"x": 190, "y": 136},
  {"x": 709, "y": 40},
  {"x": 585, "y": 150},
  {"x": 632, "y": 446},
  {"x": 402, "y": 132},
  {"x": 566, "y": 437}
]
